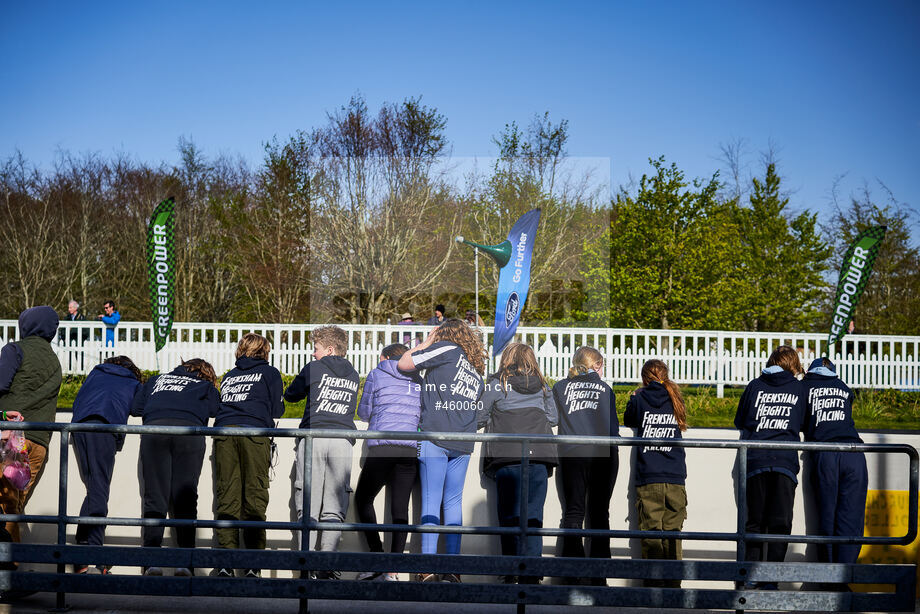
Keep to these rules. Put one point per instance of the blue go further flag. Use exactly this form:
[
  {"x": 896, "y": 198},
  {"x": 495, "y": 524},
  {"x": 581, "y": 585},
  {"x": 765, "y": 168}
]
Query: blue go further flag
[{"x": 514, "y": 280}]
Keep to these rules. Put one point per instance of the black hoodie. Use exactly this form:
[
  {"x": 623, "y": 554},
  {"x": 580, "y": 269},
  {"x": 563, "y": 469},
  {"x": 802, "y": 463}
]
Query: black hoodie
[
  {"x": 179, "y": 397},
  {"x": 330, "y": 386},
  {"x": 250, "y": 395},
  {"x": 586, "y": 407},
  {"x": 651, "y": 413},
  {"x": 772, "y": 408},
  {"x": 830, "y": 409}
]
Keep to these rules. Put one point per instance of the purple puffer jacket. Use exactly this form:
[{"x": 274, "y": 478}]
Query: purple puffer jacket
[{"x": 390, "y": 402}]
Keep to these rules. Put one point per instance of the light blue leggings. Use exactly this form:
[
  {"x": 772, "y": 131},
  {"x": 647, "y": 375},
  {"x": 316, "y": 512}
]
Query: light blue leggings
[{"x": 442, "y": 474}]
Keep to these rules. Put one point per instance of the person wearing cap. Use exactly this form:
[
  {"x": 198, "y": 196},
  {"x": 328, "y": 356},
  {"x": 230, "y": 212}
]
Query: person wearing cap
[
  {"x": 406, "y": 320},
  {"x": 840, "y": 479}
]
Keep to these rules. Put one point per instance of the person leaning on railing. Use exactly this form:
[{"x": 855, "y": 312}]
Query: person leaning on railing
[
  {"x": 453, "y": 359},
  {"x": 589, "y": 472},
  {"x": 839, "y": 479},
  {"x": 104, "y": 398},
  {"x": 390, "y": 402},
  {"x": 171, "y": 464},
  {"x": 330, "y": 384},
  {"x": 250, "y": 397},
  {"x": 657, "y": 411},
  {"x": 518, "y": 401},
  {"x": 772, "y": 408},
  {"x": 30, "y": 378}
]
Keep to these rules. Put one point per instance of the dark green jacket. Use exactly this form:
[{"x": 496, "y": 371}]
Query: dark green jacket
[{"x": 35, "y": 387}]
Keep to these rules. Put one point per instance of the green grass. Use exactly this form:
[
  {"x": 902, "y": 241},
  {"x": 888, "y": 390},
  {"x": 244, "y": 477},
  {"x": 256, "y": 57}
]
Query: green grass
[{"x": 872, "y": 409}]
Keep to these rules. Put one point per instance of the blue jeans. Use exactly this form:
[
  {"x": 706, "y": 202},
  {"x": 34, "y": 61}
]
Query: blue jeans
[
  {"x": 442, "y": 473},
  {"x": 508, "y": 490}
]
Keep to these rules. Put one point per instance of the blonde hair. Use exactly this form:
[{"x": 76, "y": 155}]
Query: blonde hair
[
  {"x": 331, "y": 336},
  {"x": 202, "y": 368},
  {"x": 586, "y": 359},
  {"x": 518, "y": 359},
  {"x": 656, "y": 370},
  {"x": 787, "y": 358},
  {"x": 459, "y": 332},
  {"x": 254, "y": 346}
]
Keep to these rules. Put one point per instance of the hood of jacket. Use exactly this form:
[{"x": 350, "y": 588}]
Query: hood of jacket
[
  {"x": 248, "y": 362},
  {"x": 656, "y": 394},
  {"x": 389, "y": 367},
  {"x": 777, "y": 379},
  {"x": 525, "y": 384},
  {"x": 117, "y": 370},
  {"x": 338, "y": 365},
  {"x": 39, "y": 321}
]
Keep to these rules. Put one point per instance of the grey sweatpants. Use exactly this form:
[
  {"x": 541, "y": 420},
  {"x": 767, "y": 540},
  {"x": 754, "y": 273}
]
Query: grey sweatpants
[{"x": 329, "y": 489}]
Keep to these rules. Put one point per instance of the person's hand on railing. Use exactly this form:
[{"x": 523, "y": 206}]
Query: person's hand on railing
[{"x": 10, "y": 416}]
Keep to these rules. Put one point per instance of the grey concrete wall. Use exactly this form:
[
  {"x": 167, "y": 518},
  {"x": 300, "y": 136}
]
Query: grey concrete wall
[{"x": 710, "y": 492}]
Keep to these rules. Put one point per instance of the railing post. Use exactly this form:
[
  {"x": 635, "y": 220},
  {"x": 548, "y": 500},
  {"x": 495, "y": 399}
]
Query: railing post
[
  {"x": 305, "y": 523},
  {"x": 62, "y": 508},
  {"x": 742, "y": 504},
  {"x": 525, "y": 491}
]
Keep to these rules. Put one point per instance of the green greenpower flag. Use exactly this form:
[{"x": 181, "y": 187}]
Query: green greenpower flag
[
  {"x": 854, "y": 274},
  {"x": 161, "y": 268}
]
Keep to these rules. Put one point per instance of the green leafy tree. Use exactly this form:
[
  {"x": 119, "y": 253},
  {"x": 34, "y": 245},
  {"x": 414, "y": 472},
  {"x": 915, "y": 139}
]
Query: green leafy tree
[
  {"x": 782, "y": 260},
  {"x": 670, "y": 250}
]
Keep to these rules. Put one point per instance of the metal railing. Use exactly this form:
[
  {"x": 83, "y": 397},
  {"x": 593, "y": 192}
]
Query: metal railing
[
  {"x": 695, "y": 357},
  {"x": 903, "y": 577}
]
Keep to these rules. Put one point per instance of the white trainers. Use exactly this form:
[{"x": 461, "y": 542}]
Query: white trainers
[{"x": 389, "y": 577}]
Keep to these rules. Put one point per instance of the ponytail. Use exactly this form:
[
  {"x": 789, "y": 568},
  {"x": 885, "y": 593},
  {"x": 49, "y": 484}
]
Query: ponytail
[
  {"x": 585, "y": 360},
  {"x": 657, "y": 371}
]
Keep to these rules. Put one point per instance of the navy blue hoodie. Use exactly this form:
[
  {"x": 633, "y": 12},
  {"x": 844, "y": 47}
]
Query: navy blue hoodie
[
  {"x": 106, "y": 395},
  {"x": 179, "y": 398},
  {"x": 250, "y": 395},
  {"x": 330, "y": 386},
  {"x": 772, "y": 408},
  {"x": 829, "y": 416},
  {"x": 586, "y": 407},
  {"x": 451, "y": 390},
  {"x": 651, "y": 412}
]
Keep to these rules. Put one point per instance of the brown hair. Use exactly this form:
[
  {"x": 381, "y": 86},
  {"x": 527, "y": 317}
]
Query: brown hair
[
  {"x": 394, "y": 351},
  {"x": 127, "y": 363},
  {"x": 787, "y": 358},
  {"x": 586, "y": 358},
  {"x": 518, "y": 359},
  {"x": 459, "y": 332},
  {"x": 254, "y": 346},
  {"x": 332, "y": 337},
  {"x": 202, "y": 368},
  {"x": 655, "y": 370}
]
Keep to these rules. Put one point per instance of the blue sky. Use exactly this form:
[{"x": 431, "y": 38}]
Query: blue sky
[{"x": 835, "y": 86}]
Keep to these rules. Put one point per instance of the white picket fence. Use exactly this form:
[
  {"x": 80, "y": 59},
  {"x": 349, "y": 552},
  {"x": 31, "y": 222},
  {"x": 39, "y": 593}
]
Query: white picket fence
[{"x": 695, "y": 357}]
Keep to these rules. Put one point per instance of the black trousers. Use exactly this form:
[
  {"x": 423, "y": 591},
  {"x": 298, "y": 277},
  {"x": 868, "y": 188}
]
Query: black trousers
[
  {"x": 587, "y": 485},
  {"x": 170, "y": 468},
  {"x": 95, "y": 456},
  {"x": 395, "y": 467},
  {"x": 770, "y": 496}
]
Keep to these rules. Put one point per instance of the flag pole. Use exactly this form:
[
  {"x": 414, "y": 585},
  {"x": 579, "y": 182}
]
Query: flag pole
[{"x": 476, "y": 260}]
